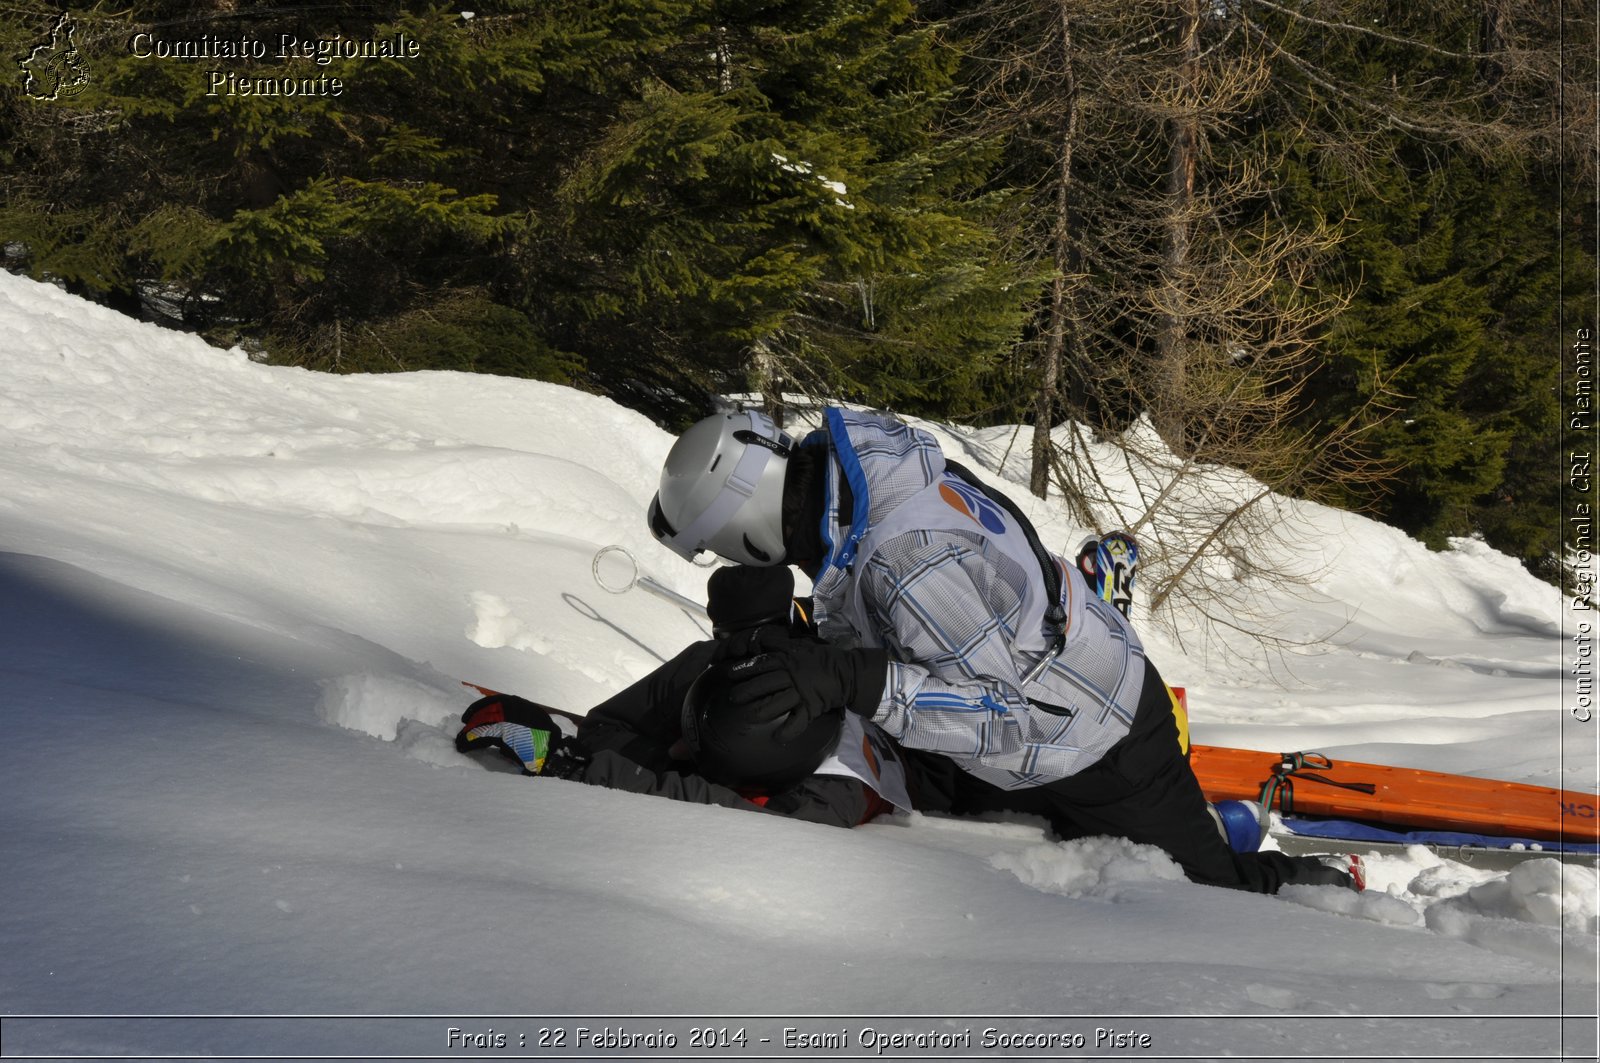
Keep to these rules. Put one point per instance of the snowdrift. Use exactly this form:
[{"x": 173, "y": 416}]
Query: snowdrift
[{"x": 238, "y": 604}]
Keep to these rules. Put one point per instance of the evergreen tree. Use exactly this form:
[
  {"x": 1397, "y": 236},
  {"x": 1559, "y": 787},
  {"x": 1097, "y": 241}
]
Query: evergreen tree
[
  {"x": 1450, "y": 256},
  {"x": 1508, "y": 244},
  {"x": 773, "y": 208},
  {"x": 1419, "y": 322},
  {"x": 687, "y": 197},
  {"x": 339, "y": 214}
]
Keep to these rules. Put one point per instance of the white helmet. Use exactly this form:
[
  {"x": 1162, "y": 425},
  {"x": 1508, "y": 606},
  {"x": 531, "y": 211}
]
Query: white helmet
[{"x": 722, "y": 490}]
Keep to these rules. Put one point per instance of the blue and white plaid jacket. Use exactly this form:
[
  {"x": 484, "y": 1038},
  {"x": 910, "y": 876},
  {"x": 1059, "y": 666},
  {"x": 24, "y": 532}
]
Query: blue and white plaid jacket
[{"x": 945, "y": 602}]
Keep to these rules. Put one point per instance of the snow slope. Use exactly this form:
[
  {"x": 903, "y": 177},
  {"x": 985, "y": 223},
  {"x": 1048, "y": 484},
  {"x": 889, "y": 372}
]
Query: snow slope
[{"x": 237, "y": 601}]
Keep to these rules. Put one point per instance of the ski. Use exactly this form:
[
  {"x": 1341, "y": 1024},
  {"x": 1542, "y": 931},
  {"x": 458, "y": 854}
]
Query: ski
[{"x": 1483, "y": 857}]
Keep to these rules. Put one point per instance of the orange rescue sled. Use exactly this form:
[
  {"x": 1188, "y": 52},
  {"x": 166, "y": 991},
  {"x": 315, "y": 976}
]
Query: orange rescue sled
[{"x": 1309, "y": 784}]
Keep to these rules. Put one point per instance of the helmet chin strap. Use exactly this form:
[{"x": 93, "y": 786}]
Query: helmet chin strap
[{"x": 736, "y": 491}]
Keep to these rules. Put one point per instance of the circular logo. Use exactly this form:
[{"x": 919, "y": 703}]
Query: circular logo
[{"x": 972, "y": 502}]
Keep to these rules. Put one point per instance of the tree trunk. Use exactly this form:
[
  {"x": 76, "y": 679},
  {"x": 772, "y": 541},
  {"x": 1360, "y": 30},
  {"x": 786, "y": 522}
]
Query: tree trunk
[
  {"x": 1491, "y": 44},
  {"x": 766, "y": 381},
  {"x": 1183, "y": 155},
  {"x": 1058, "y": 331}
]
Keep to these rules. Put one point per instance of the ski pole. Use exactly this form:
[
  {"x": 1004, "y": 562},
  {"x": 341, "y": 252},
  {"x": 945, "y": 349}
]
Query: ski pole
[{"x": 635, "y": 579}]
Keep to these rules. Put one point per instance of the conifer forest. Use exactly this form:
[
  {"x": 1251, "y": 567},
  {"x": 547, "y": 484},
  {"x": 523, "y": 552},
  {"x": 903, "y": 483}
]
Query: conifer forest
[{"x": 1343, "y": 245}]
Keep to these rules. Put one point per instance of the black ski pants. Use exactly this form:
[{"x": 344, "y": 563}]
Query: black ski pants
[{"x": 1142, "y": 789}]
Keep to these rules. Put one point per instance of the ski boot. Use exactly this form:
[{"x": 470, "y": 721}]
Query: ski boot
[{"x": 1108, "y": 564}]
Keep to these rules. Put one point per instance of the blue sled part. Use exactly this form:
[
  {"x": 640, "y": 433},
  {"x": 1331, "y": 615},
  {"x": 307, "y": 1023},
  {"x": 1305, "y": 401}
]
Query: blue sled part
[{"x": 1353, "y": 830}]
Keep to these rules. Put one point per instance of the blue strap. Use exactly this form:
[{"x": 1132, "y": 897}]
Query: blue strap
[{"x": 850, "y": 465}]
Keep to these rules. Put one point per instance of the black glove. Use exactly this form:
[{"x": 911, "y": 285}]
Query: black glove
[
  {"x": 745, "y": 596},
  {"x": 805, "y": 679},
  {"x": 524, "y": 732},
  {"x": 567, "y": 759}
]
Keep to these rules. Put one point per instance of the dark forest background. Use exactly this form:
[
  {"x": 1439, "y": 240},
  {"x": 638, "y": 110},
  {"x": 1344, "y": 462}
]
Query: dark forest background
[{"x": 1329, "y": 242}]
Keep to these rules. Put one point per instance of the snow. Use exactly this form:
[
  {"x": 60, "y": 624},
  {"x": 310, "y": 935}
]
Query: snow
[
  {"x": 239, "y": 601},
  {"x": 805, "y": 169}
]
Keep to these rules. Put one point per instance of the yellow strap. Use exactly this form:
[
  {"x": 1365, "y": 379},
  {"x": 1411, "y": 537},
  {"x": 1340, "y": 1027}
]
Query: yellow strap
[{"x": 1180, "y": 713}]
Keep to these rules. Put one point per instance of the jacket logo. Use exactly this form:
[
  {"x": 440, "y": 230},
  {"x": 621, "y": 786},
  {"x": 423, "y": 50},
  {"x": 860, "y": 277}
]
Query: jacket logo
[{"x": 970, "y": 501}]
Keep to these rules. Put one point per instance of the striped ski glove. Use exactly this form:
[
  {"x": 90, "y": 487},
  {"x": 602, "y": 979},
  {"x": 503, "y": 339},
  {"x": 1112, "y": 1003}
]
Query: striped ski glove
[{"x": 524, "y": 732}]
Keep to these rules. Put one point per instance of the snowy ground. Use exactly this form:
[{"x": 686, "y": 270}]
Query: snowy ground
[{"x": 237, "y": 601}]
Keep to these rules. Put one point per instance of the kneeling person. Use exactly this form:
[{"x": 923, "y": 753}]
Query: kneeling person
[{"x": 950, "y": 626}]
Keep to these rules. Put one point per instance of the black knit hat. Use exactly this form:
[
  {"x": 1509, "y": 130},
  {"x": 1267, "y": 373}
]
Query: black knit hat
[{"x": 740, "y": 597}]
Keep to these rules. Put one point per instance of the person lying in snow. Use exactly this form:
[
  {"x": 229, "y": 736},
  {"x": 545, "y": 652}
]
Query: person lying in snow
[
  {"x": 674, "y": 733},
  {"x": 950, "y": 627}
]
